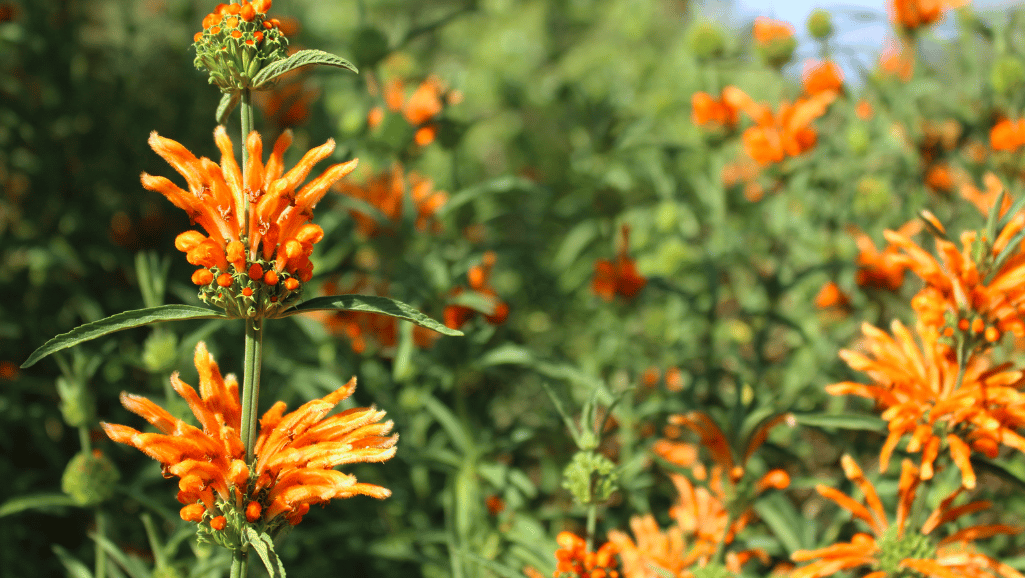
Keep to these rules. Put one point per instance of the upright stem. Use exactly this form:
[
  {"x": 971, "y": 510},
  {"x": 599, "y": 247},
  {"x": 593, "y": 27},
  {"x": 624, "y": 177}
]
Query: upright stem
[
  {"x": 592, "y": 521},
  {"x": 101, "y": 556},
  {"x": 254, "y": 346}
]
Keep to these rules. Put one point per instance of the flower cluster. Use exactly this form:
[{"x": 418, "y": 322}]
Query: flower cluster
[
  {"x": 712, "y": 112},
  {"x": 786, "y": 133},
  {"x": 387, "y": 192},
  {"x": 236, "y": 42},
  {"x": 479, "y": 275},
  {"x": 294, "y": 455},
  {"x": 256, "y": 253},
  {"x": 619, "y": 277},
  {"x": 575, "y": 561},
  {"x": 421, "y": 110},
  {"x": 894, "y": 549}
]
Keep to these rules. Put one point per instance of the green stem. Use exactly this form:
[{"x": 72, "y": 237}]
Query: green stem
[
  {"x": 251, "y": 383},
  {"x": 83, "y": 439},
  {"x": 101, "y": 557},
  {"x": 246, "y": 108},
  {"x": 239, "y": 564},
  {"x": 592, "y": 521}
]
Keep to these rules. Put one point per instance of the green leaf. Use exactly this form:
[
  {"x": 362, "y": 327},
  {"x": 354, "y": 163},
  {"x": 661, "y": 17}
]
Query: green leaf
[
  {"x": 74, "y": 566},
  {"x": 228, "y": 103},
  {"x": 264, "y": 547},
  {"x": 125, "y": 320},
  {"x": 371, "y": 304},
  {"x": 56, "y": 500},
  {"x": 841, "y": 421},
  {"x": 780, "y": 516},
  {"x": 998, "y": 469},
  {"x": 298, "y": 60},
  {"x": 503, "y": 184},
  {"x": 134, "y": 567}
]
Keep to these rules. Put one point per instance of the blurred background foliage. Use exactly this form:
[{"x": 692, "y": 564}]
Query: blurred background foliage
[{"x": 558, "y": 124}]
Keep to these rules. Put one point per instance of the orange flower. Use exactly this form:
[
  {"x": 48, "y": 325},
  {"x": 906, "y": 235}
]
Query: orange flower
[
  {"x": 897, "y": 59},
  {"x": 922, "y": 393},
  {"x": 768, "y": 30},
  {"x": 892, "y": 550},
  {"x": 620, "y": 277},
  {"x": 1007, "y": 135},
  {"x": 276, "y": 233},
  {"x": 864, "y": 110},
  {"x": 821, "y": 76},
  {"x": 984, "y": 201},
  {"x": 706, "y": 110},
  {"x": 913, "y": 14},
  {"x": 881, "y": 269},
  {"x": 831, "y": 296},
  {"x": 574, "y": 560},
  {"x": 985, "y": 279},
  {"x": 362, "y": 328},
  {"x": 387, "y": 191},
  {"x": 294, "y": 454},
  {"x": 786, "y": 133},
  {"x": 458, "y": 315},
  {"x": 421, "y": 109}
]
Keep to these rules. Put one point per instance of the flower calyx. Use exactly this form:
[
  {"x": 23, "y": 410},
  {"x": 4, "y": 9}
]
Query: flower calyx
[{"x": 237, "y": 41}]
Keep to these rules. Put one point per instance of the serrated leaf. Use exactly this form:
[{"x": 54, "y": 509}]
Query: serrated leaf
[
  {"x": 298, "y": 60},
  {"x": 371, "y": 304},
  {"x": 55, "y": 500},
  {"x": 264, "y": 547},
  {"x": 228, "y": 103},
  {"x": 118, "y": 322},
  {"x": 841, "y": 421}
]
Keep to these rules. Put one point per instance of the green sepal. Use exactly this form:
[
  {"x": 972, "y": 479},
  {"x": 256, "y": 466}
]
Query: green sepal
[
  {"x": 370, "y": 304},
  {"x": 264, "y": 546},
  {"x": 228, "y": 103},
  {"x": 125, "y": 320},
  {"x": 297, "y": 60}
]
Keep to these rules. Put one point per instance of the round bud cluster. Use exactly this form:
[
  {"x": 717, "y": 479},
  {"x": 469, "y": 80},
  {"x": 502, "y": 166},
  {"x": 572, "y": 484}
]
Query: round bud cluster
[
  {"x": 237, "y": 41},
  {"x": 252, "y": 289},
  {"x": 707, "y": 41},
  {"x": 90, "y": 478},
  {"x": 820, "y": 24}
]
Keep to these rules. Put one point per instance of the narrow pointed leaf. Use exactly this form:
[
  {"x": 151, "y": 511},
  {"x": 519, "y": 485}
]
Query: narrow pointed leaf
[
  {"x": 297, "y": 60},
  {"x": 264, "y": 547},
  {"x": 125, "y": 320},
  {"x": 371, "y": 304},
  {"x": 74, "y": 566},
  {"x": 21, "y": 503},
  {"x": 228, "y": 103},
  {"x": 842, "y": 421}
]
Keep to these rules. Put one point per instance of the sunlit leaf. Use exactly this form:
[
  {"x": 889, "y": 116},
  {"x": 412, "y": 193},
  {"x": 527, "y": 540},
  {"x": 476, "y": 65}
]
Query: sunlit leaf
[{"x": 371, "y": 304}]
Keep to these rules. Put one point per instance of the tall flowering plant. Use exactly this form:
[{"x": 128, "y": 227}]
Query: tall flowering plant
[{"x": 240, "y": 482}]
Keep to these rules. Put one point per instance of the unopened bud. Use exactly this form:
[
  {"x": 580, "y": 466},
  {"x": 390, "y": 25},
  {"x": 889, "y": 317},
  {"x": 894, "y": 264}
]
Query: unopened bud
[
  {"x": 820, "y": 24},
  {"x": 90, "y": 478}
]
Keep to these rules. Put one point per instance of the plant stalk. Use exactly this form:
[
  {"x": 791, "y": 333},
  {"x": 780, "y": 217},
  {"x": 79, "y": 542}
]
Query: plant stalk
[
  {"x": 253, "y": 348},
  {"x": 592, "y": 521}
]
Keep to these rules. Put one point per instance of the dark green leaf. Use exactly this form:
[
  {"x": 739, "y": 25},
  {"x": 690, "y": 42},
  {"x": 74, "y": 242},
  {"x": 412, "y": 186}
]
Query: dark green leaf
[
  {"x": 125, "y": 320},
  {"x": 371, "y": 304},
  {"x": 228, "y": 104},
  {"x": 264, "y": 547},
  {"x": 842, "y": 421},
  {"x": 15, "y": 505},
  {"x": 74, "y": 566},
  {"x": 499, "y": 185},
  {"x": 298, "y": 60},
  {"x": 780, "y": 516}
]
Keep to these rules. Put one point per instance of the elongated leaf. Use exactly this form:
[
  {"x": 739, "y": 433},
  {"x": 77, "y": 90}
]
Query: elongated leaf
[
  {"x": 841, "y": 421},
  {"x": 228, "y": 103},
  {"x": 134, "y": 567},
  {"x": 297, "y": 60},
  {"x": 998, "y": 469},
  {"x": 126, "y": 320},
  {"x": 264, "y": 547},
  {"x": 780, "y": 516},
  {"x": 74, "y": 566},
  {"x": 54, "y": 500},
  {"x": 502, "y": 184},
  {"x": 371, "y": 304}
]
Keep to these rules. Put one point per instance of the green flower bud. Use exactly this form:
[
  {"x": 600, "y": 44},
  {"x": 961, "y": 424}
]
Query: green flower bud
[
  {"x": 778, "y": 52},
  {"x": 233, "y": 49},
  {"x": 820, "y": 24},
  {"x": 1007, "y": 75},
  {"x": 872, "y": 196},
  {"x": 76, "y": 404},
  {"x": 590, "y": 477},
  {"x": 707, "y": 41},
  {"x": 858, "y": 138},
  {"x": 160, "y": 351},
  {"x": 90, "y": 478}
]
